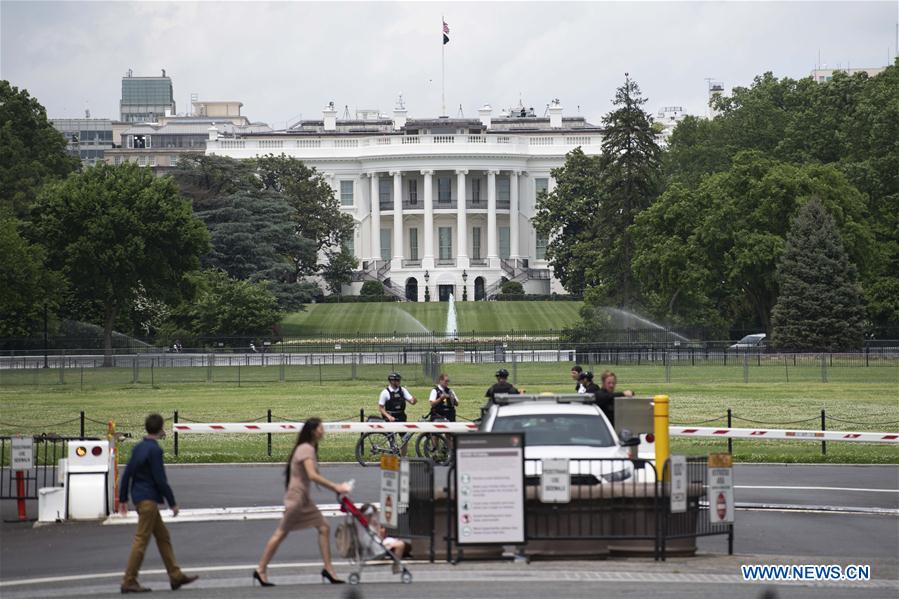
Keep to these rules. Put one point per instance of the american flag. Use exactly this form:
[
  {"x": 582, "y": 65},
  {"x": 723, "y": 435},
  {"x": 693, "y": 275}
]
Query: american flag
[{"x": 445, "y": 33}]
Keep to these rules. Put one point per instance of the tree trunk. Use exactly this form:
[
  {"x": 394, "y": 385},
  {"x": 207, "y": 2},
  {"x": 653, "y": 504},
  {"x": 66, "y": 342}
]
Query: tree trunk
[{"x": 108, "y": 323}]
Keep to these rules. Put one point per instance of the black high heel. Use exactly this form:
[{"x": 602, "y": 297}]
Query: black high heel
[
  {"x": 331, "y": 579},
  {"x": 258, "y": 578}
]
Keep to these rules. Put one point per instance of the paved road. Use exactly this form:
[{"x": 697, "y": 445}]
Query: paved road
[{"x": 80, "y": 548}]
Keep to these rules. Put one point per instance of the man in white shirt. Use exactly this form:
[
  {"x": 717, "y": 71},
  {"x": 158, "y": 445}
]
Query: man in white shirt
[
  {"x": 443, "y": 400},
  {"x": 392, "y": 401}
]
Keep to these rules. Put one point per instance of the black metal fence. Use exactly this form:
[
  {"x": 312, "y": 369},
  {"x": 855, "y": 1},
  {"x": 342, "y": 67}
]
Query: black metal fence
[
  {"x": 695, "y": 521},
  {"x": 48, "y": 450},
  {"x": 418, "y": 519}
]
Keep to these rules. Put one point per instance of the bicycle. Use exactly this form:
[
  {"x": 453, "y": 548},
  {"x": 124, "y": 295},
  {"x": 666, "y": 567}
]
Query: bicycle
[
  {"x": 435, "y": 446},
  {"x": 371, "y": 446}
]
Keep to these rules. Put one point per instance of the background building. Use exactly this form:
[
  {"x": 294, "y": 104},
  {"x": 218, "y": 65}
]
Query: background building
[
  {"x": 86, "y": 138},
  {"x": 146, "y": 99},
  {"x": 443, "y": 203},
  {"x": 822, "y": 75}
]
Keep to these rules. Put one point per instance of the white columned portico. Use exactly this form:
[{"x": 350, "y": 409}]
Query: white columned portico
[
  {"x": 461, "y": 222},
  {"x": 427, "y": 258},
  {"x": 397, "y": 220},
  {"x": 514, "y": 251},
  {"x": 375, "y": 218},
  {"x": 492, "y": 253}
]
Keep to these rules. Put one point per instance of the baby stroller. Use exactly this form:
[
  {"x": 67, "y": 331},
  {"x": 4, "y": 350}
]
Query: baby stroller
[{"x": 362, "y": 543}]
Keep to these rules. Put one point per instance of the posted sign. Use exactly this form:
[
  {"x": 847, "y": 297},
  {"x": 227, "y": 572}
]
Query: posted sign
[
  {"x": 555, "y": 481},
  {"x": 721, "y": 488},
  {"x": 678, "y": 473},
  {"x": 490, "y": 488},
  {"x": 390, "y": 490},
  {"x": 22, "y": 454}
]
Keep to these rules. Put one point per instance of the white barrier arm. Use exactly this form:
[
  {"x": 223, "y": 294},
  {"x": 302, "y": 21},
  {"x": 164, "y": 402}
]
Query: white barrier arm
[
  {"x": 783, "y": 434},
  {"x": 464, "y": 427}
]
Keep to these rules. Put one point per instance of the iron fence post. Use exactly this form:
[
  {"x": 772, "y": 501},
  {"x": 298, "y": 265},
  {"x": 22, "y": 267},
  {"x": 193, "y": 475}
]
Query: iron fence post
[
  {"x": 730, "y": 441},
  {"x": 269, "y": 435},
  {"x": 81, "y": 428},
  {"x": 175, "y": 419},
  {"x": 823, "y": 428}
]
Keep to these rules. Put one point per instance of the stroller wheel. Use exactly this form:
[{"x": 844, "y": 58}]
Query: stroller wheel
[
  {"x": 353, "y": 578},
  {"x": 406, "y": 577}
]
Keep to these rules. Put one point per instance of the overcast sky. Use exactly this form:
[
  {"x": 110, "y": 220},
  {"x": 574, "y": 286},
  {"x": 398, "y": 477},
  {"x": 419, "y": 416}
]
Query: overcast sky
[{"x": 286, "y": 60}]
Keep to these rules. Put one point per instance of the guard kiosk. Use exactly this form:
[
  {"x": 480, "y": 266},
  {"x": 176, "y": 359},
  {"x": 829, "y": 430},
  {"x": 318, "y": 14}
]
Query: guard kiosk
[{"x": 89, "y": 485}]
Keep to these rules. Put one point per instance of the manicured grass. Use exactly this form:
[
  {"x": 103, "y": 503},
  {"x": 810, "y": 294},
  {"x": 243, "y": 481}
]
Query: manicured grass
[
  {"x": 407, "y": 317},
  {"x": 862, "y": 398}
]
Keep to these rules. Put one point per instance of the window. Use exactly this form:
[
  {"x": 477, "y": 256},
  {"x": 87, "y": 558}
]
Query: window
[
  {"x": 413, "y": 191},
  {"x": 385, "y": 245},
  {"x": 413, "y": 243},
  {"x": 562, "y": 429},
  {"x": 502, "y": 189},
  {"x": 540, "y": 254},
  {"x": 118, "y": 160},
  {"x": 541, "y": 185},
  {"x": 444, "y": 190},
  {"x": 349, "y": 244},
  {"x": 445, "y": 234},
  {"x": 173, "y": 160},
  {"x": 475, "y": 191},
  {"x": 153, "y": 160},
  {"x": 385, "y": 193},
  {"x": 476, "y": 243},
  {"x": 346, "y": 193},
  {"x": 142, "y": 161},
  {"x": 504, "y": 243}
]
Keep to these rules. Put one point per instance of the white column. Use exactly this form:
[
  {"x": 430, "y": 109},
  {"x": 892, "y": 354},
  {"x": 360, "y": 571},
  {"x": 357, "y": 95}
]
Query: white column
[
  {"x": 492, "y": 253},
  {"x": 375, "y": 218},
  {"x": 427, "y": 259},
  {"x": 514, "y": 251},
  {"x": 398, "y": 249},
  {"x": 461, "y": 221}
]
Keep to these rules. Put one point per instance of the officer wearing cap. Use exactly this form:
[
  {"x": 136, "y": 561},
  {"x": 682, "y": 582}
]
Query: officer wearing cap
[
  {"x": 502, "y": 385},
  {"x": 392, "y": 402}
]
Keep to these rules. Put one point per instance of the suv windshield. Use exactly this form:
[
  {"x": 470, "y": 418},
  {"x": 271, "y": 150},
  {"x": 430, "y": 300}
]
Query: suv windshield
[{"x": 557, "y": 429}]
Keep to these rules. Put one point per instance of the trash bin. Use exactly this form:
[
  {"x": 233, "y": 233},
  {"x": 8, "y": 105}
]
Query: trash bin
[
  {"x": 88, "y": 480},
  {"x": 51, "y": 504}
]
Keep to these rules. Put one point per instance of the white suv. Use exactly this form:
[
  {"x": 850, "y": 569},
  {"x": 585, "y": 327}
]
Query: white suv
[{"x": 570, "y": 427}]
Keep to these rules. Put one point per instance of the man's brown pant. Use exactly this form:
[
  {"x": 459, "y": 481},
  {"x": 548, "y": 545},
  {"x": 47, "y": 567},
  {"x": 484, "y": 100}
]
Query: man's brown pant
[{"x": 149, "y": 522}]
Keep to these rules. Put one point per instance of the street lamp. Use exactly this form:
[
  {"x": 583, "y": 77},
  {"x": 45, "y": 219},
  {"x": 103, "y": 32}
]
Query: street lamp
[
  {"x": 464, "y": 276},
  {"x": 427, "y": 276}
]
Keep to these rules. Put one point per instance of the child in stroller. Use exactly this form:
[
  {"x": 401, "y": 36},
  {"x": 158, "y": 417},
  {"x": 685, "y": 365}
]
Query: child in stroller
[{"x": 372, "y": 542}]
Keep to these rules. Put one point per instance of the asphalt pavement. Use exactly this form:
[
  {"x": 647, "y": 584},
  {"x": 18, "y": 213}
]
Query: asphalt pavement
[{"x": 223, "y": 552}]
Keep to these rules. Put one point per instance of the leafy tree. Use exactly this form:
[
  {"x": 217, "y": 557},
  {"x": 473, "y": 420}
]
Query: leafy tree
[
  {"x": 224, "y": 307},
  {"x": 372, "y": 289},
  {"x": 338, "y": 270},
  {"x": 820, "y": 305},
  {"x": 26, "y": 285},
  {"x": 316, "y": 211},
  {"x": 32, "y": 152},
  {"x": 117, "y": 232},
  {"x": 564, "y": 216}
]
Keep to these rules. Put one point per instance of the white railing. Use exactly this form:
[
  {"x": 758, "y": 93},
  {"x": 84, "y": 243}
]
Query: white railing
[
  {"x": 541, "y": 141},
  {"x": 578, "y": 140},
  {"x": 233, "y": 144},
  {"x": 384, "y": 141},
  {"x": 444, "y": 139},
  {"x": 271, "y": 143},
  {"x": 411, "y": 139},
  {"x": 314, "y": 143},
  {"x": 346, "y": 143},
  {"x": 503, "y": 139},
  {"x": 420, "y": 140},
  {"x": 477, "y": 139}
]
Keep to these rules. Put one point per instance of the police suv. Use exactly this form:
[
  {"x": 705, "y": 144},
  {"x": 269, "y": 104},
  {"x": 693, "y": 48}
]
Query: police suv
[{"x": 571, "y": 427}]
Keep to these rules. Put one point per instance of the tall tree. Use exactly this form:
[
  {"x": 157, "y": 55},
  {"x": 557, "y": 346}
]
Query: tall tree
[
  {"x": 338, "y": 268},
  {"x": 630, "y": 182},
  {"x": 118, "y": 233},
  {"x": 820, "y": 304},
  {"x": 32, "y": 152}
]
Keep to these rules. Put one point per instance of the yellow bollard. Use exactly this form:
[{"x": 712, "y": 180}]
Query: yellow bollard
[{"x": 660, "y": 430}]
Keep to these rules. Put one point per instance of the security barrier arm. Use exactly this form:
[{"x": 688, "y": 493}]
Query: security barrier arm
[{"x": 464, "y": 427}]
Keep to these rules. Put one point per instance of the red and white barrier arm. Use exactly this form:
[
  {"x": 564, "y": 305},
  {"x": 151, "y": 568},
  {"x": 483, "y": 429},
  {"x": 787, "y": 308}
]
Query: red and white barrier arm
[
  {"x": 783, "y": 434},
  {"x": 464, "y": 427},
  {"x": 330, "y": 427}
]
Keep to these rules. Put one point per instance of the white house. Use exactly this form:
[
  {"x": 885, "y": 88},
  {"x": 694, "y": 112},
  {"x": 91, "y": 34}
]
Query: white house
[{"x": 439, "y": 202}]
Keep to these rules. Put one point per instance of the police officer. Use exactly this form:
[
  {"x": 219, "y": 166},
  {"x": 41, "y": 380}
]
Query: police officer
[
  {"x": 576, "y": 375},
  {"x": 443, "y": 400},
  {"x": 605, "y": 395},
  {"x": 502, "y": 385},
  {"x": 392, "y": 402}
]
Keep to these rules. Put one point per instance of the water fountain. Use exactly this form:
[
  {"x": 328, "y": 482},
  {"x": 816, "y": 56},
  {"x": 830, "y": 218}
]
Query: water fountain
[
  {"x": 621, "y": 319},
  {"x": 451, "y": 324}
]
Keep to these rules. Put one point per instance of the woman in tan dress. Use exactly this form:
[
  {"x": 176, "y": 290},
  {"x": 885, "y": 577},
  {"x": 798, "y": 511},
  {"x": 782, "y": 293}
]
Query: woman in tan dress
[{"x": 299, "y": 510}]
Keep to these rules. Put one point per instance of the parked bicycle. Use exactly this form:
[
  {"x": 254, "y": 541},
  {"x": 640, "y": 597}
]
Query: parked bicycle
[{"x": 371, "y": 446}]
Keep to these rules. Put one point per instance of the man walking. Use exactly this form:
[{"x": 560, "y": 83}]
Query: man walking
[{"x": 145, "y": 478}]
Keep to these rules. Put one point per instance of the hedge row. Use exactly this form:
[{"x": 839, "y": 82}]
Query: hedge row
[{"x": 551, "y": 297}]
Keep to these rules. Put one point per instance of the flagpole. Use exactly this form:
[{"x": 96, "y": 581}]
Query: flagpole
[{"x": 442, "y": 68}]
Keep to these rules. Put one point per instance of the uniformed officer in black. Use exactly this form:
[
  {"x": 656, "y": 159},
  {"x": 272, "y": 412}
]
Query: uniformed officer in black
[
  {"x": 502, "y": 385},
  {"x": 443, "y": 400},
  {"x": 392, "y": 402}
]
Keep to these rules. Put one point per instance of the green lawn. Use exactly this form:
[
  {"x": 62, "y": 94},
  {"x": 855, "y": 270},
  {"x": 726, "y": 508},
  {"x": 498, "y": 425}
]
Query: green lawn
[
  {"x": 408, "y": 317},
  {"x": 35, "y": 402}
]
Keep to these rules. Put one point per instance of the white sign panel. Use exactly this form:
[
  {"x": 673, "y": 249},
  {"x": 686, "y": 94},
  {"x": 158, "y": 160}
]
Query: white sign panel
[
  {"x": 390, "y": 490},
  {"x": 721, "y": 488},
  {"x": 555, "y": 482},
  {"x": 490, "y": 488},
  {"x": 678, "y": 467},
  {"x": 404, "y": 482},
  {"x": 22, "y": 454}
]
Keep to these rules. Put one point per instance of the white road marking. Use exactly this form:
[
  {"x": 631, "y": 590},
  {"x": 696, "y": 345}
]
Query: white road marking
[{"x": 775, "y": 488}]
